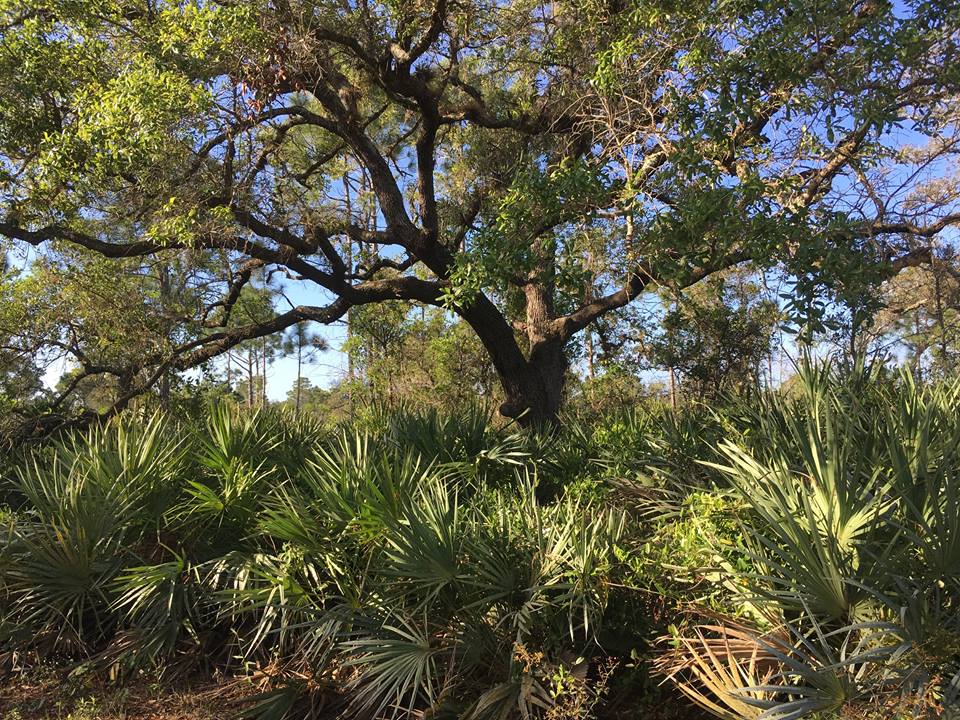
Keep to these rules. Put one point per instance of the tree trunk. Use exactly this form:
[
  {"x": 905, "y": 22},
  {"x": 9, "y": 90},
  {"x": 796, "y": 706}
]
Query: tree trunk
[
  {"x": 299, "y": 371},
  {"x": 673, "y": 389},
  {"x": 532, "y": 384},
  {"x": 165, "y": 304},
  {"x": 349, "y": 262},
  {"x": 938, "y": 297},
  {"x": 546, "y": 381},
  {"x": 250, "y": 378},
  {"x": 588, "y": 341},
  {"x": 534, "y": 391},
  {"x": 263, "y": 383}
]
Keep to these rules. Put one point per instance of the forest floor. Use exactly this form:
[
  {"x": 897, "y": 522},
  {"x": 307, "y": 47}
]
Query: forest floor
[
  {"x": 46, "y": 694},
  {"x": 54, "y": 693}
]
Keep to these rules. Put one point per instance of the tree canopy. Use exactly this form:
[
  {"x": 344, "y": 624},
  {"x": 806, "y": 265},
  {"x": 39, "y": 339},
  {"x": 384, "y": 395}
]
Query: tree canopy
[{"x": 528, "y": 166}]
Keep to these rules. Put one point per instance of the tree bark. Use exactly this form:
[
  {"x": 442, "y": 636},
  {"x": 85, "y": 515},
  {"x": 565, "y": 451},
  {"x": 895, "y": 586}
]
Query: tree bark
[
  {"x": 532, "y": 384},
  {"x": 299, "y": 370},
  {"x": 533, "y": 390},
  {"x": 673, "y": 389},
  {"x": 263, "y": 383},
  {"x": 250, "y": 378},
  {"x": 165, "y": 303}
]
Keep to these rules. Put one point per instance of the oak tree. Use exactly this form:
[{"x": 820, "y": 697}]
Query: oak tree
[{"x": 470, "y": 154}]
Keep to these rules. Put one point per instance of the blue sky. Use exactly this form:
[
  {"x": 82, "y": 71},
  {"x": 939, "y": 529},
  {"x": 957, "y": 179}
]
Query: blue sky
[{"x": 328, "y": 367}]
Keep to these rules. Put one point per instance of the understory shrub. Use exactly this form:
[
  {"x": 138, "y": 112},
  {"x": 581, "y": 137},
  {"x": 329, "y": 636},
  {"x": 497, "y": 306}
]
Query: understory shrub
[
  {"x": 852, "y": 525},
  {"x": 395, "y": 577},
  {"x": 792, "y": 555}
]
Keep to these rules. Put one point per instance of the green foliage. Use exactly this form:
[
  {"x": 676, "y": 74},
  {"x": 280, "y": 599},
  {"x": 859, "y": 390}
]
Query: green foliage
[
  {"x": 717, "y": 336},
  {"x": 416, "y": 356},
  {"x": 125, "y": 124},
  {"x": 851, "y": 494},
  {"x": 389, "y": 557},
  {"x": 696, "y": 552},
  {"x": 430, "y": 563},
  {"x": 563, "y": 192}
]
